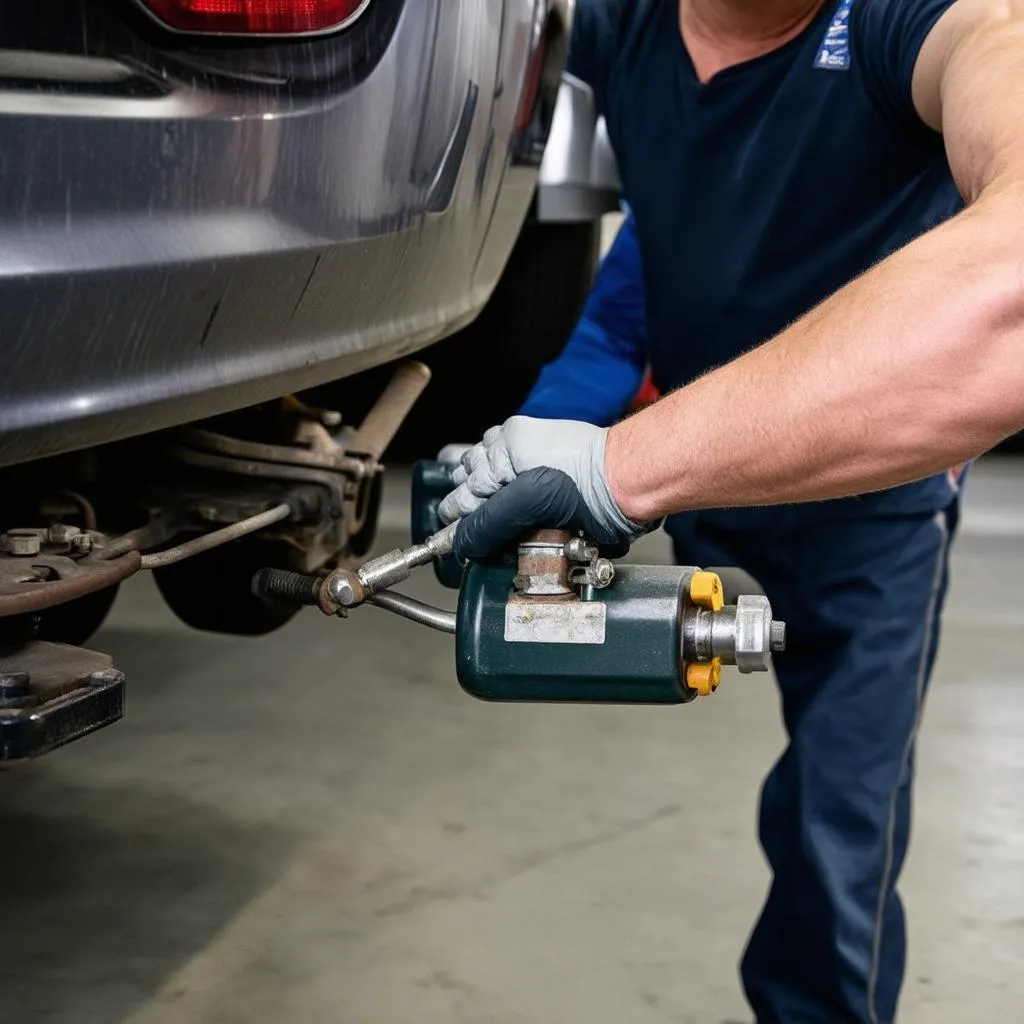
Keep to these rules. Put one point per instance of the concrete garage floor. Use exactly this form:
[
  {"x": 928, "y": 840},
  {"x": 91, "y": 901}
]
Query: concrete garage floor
[{"x": 319, "y": 827}]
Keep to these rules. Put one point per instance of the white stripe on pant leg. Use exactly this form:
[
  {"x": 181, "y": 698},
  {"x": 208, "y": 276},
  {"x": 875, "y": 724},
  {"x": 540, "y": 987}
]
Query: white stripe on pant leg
[{"x": 890, "y": 835}]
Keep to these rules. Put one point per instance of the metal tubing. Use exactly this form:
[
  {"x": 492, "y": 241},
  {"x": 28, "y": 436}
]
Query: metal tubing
[
  {"x": 218, "y": 537},
  {"x": 416, "y": 611},
  {"x": 381, "y": 424}
]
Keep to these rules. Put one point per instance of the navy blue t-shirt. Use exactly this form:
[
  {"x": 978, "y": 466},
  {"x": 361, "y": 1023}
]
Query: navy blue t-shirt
[{"x": 765, "y": 190}]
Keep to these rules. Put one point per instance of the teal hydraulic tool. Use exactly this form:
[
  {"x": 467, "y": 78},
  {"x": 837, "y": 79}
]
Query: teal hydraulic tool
[{"x": 557, "y": 622}]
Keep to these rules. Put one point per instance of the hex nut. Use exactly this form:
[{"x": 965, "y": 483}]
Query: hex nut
[
  {"x": 753, "y": 633},
  {"x": 22, "y": 543},
  {"x": 577, "y": 550},
  {"x": 81, "y": 544},
  {"x": 62, "y": 533},
  {"x": 15, "y": 691}
]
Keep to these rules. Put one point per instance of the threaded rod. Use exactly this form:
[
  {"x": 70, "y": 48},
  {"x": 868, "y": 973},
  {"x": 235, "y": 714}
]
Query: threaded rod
[{"x": 282, "y": 585}]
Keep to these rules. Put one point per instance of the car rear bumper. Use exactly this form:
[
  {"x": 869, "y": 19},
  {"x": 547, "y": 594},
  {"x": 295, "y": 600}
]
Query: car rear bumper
[
  {"x": 170, "y": 254},
  {"x": 579, "y": 177}
]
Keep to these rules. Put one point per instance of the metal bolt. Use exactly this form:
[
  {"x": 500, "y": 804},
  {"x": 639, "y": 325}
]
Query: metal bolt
[
  {"x": 778, "y": 636},
  {"x": 342, "y": 592},
  {"x": 61, "y": 533},
  {"x": 15, "y": 691},
  {"x": 577, "y": 550},
  {"x": 23, "y": 543},
  {"x": 81, "y": 544},
  {"x": 104, "y": 677},
  {"x": 753, "y": 633},
  {"x": 604, "y": 572}
]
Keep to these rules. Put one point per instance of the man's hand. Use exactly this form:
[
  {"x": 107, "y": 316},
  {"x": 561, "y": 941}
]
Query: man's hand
[{"x": 530, "y": 474}]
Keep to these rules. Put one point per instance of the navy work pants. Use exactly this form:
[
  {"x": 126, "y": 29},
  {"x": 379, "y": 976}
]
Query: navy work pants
[{"x": 862, "y": 591}]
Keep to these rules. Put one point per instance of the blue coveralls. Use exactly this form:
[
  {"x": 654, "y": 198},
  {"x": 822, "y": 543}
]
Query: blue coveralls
[{"x": 752, "y": 198}]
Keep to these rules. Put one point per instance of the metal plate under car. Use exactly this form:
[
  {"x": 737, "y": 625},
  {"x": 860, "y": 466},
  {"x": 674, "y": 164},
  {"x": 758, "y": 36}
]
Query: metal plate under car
[
  {"x": 67, "y": 693},
  {"x": 555, "y": 622}
]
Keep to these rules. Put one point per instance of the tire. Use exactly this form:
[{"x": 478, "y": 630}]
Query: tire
[
  {"x": 482, "y": 373},
  {"x": 213, "y": 591}
]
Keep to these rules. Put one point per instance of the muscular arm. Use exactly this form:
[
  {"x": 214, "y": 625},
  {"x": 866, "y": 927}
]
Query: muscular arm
[{"x": 914, "y": 367}]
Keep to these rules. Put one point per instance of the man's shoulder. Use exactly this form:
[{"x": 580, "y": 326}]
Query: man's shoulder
[
  {"x": 606, "y": 22},
  {"x": 601, "y": 28}
]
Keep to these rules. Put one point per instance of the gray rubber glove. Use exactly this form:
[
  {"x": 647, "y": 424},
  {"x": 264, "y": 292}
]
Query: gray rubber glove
[{"x": 573, "y": 493}]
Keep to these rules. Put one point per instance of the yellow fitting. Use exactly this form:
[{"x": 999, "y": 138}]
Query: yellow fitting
[
  {"x": 706, "y": 590},
  {"x": 704, "y": 677}
]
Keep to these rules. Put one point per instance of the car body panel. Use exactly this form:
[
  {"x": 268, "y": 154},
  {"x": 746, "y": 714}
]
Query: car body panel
[
  {"x": 175, "y": 249},
  {"x": 579, "y": 177}
]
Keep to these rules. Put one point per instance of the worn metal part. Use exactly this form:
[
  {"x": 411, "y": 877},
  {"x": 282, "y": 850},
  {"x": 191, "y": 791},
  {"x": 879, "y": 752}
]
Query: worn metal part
[
  {"x": 70, "y": 693},
  {"x": 381, "y": 424},
  {"x": 342, "y": 589},
  {"x": 208, "y": 541},
  {"x": 48, "y": 580},
  {"x": 591, "y": 569},
  {"x": 348, "y": 471},
  {"x": 326, "y": 454},
  {"x": 22, "y": 543},
  {"x": 283, "y": 585},
  {"x": 15, "y": 691},
  {"x": 416, "y": 611},
  {"x": 348, "y": 588},
  {"x": 543, "y": 565}
]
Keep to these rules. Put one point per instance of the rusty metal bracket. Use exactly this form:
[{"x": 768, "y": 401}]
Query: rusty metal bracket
[
  {"x": 51, "y": 694},
  {"x": 30, "y": 584}
]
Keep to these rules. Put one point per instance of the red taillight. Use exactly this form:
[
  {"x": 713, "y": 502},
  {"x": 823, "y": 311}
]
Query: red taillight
[
  {"x": 531, "y": 86},
  {"x": 255, "y": 17}
]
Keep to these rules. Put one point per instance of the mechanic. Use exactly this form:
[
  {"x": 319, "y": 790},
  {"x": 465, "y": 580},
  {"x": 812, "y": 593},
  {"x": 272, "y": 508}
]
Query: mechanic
[{"x": 862, "y": 160}]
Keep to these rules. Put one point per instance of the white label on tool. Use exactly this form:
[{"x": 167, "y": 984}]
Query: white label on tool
[{"x": 568, "y": 622}]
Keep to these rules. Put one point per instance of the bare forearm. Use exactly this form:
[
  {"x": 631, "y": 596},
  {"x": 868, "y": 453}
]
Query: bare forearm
[{"x": 914, "y": 367}]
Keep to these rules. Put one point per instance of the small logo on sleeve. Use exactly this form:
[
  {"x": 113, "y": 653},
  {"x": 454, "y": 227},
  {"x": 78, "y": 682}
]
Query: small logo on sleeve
[{"x": 834, "y": 53}]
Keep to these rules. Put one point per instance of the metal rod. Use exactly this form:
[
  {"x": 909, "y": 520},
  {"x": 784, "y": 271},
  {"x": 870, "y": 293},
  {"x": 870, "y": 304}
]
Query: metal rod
[
  {"x": 213, "y": 540},
  {"x": 396, "y": 566},
  {"x": 415, "y": 611},
  {"x": 376, "y": 432}
]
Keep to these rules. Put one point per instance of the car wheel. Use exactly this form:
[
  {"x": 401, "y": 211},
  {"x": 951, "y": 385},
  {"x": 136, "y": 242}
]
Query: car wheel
[{"x": 213, "y": 591}]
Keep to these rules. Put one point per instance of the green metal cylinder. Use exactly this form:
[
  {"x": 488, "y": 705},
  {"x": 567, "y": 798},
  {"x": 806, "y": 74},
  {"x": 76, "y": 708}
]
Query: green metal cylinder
[
  {"x": 618, "y": 645},
  {"x": 431, "y": 482}
]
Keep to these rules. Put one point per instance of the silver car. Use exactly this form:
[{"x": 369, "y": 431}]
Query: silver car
[{"x": 210, "y": 214}]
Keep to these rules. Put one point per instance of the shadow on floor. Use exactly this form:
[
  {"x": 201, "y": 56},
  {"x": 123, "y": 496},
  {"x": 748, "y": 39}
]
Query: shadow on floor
[{"x": 108, "y": 889}]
